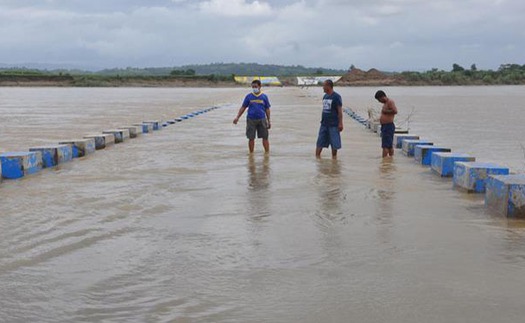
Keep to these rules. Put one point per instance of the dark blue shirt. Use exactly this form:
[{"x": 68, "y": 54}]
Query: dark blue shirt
[
  {"x": 330, "y": 105},
  {"x": 257, "y": 105}
]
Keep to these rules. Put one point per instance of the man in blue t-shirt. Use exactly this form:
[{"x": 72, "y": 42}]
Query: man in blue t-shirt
[
  {"x": 331, "y": 122},
  {"x": 258, "y": 119}
]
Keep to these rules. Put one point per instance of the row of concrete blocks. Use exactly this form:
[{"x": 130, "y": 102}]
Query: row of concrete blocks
[
  {"x": 504, "y": 192},
  {"x": 15, "y": 165},
  {"x": 352, "y": 114},
  {"x": 374, "y": 126}
]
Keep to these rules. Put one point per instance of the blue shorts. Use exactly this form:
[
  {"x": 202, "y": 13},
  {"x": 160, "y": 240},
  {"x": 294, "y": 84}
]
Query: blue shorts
[
  {"x": 387, "y": 135},
  {"x": 329, "y": 136}
]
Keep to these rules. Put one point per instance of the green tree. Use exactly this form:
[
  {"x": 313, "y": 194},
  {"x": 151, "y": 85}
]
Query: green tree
[{"x": 457, "y": 68}]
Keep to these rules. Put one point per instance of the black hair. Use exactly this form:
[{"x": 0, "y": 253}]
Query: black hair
[
  {"x": 380, "y": 94},
  {"x": 258, "y": 82},
  {"x": 330, "y": 83}
]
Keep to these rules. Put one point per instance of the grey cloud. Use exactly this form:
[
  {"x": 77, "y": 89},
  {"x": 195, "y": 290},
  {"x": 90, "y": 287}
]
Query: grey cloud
[{"x": 388, "y": 34}]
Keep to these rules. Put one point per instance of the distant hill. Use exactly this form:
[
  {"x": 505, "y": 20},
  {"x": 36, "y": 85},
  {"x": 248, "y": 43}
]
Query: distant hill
[
  {"x": 226, "y": 69},
  {"x": 261, "y": 70},
  {"x": 219, "y": 69}
]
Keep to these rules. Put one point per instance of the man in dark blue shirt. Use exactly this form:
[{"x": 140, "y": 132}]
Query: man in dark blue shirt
[
  {"x": 258, "y": 119},
  {"x": 331, "y": 122}
]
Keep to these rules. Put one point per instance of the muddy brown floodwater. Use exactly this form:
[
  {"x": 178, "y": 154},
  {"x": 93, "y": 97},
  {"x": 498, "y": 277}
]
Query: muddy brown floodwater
[{"x": 183, "y": 226}]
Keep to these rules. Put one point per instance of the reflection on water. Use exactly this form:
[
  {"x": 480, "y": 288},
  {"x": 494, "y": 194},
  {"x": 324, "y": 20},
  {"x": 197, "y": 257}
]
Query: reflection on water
[
  {"x": 258, "y": 186},
  {"x": 259, "y": 173},
  {"x": 329, "y": 186},
  {"x": 387, "y": 181},
  {"x": 386, "y": 191}
]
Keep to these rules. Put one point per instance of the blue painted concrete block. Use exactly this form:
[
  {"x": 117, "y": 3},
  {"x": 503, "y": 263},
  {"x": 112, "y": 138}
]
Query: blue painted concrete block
[
  {"x": 409, "y": 146},
  {"x": 134, "y": 131},
  {"x": 443, "y": 163},
  {"x": 54, "y": 155},
  {"x": 102, "y": 141},
  {"x": 165, "y": 124},
  {"x": 156, "y": 124},
  {"x": 506, "y": 195},
  {"x": 146, "y": 127},
  {"x": 178, "y": 119},
  {"x": 423, "y": 153},
  {"x": 398, "y": 139},
  {"x": 120, "y": 134},
  {"x": 19, "y": 164},
  {"x": 472, "y": 176},
  {"x": 81, "y": 147},
  {"x": 171, "y": 121}
]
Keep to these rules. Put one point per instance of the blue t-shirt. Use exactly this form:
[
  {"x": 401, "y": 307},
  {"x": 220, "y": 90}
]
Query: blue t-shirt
[
  {"x": 257, "y": 105},
  {"x": 330, "y": 116}
]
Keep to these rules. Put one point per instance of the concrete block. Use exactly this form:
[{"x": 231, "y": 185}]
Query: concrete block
[
  {"x": 156, "y": 124},
  {"x": 506, "y": 195},
  {"x": 165, "y": 124},
  {"x": 409, "y": 145},
  {"x": 54, "y": 155},
  {"x": 443, "y": 163},
  {"x": 20, "y": 164},
  {"x": 423, "y": 153},
  {"x": 81, "y": 147},
  {"x": 134, "y": 131},
  {"x": 398, "y": 139},
  {"x": 472, "y": 176},
  {"x": 401, "y": 131},
  {"x": 146, "y": 127},
  {"x": 171, "y": 121},
  {"x": 120, "y": 134},
  {"x": 102, "y": 141}
]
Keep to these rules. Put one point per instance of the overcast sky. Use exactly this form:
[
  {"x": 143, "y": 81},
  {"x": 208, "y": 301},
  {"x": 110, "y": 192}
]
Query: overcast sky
[{"x": 392, "y": 35}]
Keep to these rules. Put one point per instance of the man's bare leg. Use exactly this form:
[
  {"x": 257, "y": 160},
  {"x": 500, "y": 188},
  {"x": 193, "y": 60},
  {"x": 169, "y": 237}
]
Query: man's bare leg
[
  {"x": 318, "y": 151},
  {"x": 334, "y": 153},
  {"x": 391, "y": 152},
  {"x": 251, "y": 145},
  {"x": 266, "y": 145},
  {"x": 386, "y": 151}
]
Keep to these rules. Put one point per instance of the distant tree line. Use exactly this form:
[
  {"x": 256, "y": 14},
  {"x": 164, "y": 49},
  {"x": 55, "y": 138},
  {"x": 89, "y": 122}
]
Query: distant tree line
[
  {"x": 188, "y": 72},
  {"x": 507, "y": 74}
]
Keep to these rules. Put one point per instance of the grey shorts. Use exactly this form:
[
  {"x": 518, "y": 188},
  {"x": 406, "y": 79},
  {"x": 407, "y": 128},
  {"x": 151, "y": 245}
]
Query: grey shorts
[{"x": 259, "y": 126}]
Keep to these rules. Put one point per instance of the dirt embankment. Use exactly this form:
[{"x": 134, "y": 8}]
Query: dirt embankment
[{"x": 373, "y": 77}]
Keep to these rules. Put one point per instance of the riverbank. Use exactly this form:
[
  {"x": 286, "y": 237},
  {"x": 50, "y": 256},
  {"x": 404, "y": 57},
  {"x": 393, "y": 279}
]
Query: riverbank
[
  {"x": 202, "y": 82},
  {"x": 208, "y": 81}
]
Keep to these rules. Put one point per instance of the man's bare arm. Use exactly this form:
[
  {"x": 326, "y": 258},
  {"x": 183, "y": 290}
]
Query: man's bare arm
[
  {"x": 340, "y": 115},
  {"x": 239, "y": 114},
  {"x": 268, "y": 118}
]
